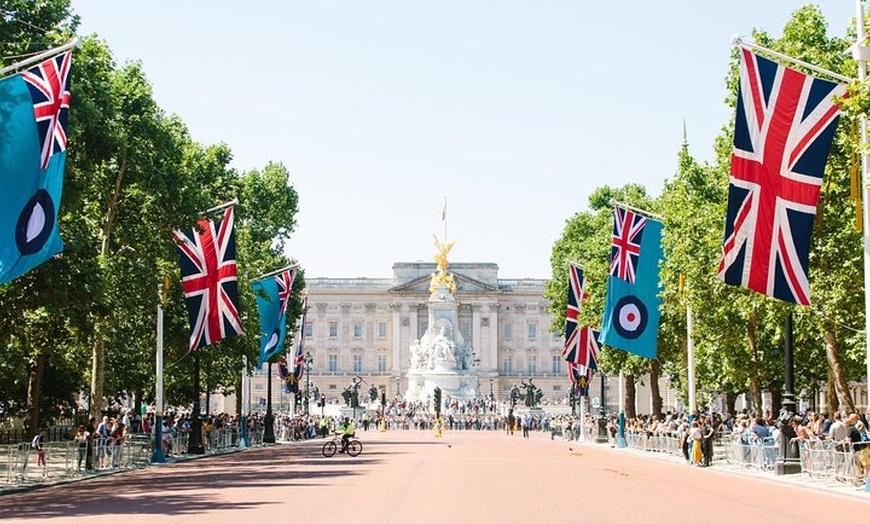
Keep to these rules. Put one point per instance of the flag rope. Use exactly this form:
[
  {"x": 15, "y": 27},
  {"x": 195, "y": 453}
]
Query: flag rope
[{"x": 14, "y": 68}]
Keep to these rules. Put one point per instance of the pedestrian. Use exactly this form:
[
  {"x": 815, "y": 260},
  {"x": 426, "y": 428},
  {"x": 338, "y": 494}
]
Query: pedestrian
[
  {"x": 90, "y": 429},
  {"x": 38, "y": 443},
  {"x": 81, "y": 440}
]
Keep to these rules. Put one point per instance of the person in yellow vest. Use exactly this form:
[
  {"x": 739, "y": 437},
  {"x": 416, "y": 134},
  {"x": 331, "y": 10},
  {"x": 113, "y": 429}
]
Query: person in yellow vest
[
  {"x": 347, "y": 432},
  {"x": 324, "y": 427}
]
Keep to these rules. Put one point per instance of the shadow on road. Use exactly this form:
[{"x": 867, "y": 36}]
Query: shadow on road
[{"x": 188, "y": 487}]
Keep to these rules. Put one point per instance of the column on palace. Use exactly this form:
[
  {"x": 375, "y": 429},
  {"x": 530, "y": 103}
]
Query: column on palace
[
  {"x": 396, "y": 307},
  {"x": 475, "y": 331},
  {"x": 491, "y": 355}
]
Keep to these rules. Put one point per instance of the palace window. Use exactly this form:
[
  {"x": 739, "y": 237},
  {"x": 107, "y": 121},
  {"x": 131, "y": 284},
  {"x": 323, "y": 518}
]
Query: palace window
[
  {"x": 508, "y": 331},
  {"x": 332, "y": 364},
  {"x": 508, "y": 364},
  {"x": 357, "y": 329},
  {"x": 333, "y": 329},
  {"x": 557, "y": 364},
  {"x": 533, "y": 364},
  {"x": 357, "y": 363},
  {"x": 533, "y": 330},
  {"x": 309, "y": 329},
  {"x": 382, "y": 330},
  {"x": 382, "y": 363}
]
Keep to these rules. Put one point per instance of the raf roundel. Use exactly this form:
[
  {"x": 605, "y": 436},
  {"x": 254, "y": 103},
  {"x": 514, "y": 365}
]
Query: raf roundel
[
  {"x": 35, "y": 223},
  {"x": 631, "y": 317}
]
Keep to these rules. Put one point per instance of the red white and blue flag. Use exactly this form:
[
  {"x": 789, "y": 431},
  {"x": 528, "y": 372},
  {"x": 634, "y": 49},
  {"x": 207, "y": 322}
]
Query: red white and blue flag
[
  {"x": 625, "y": 249},
  {"x": 299, "y": 351},
  {"x": 49, "y": 88},
  {"x": 576, "y": 283},
  {"x": 208, "y": 273},
  {"x": 783, "y": 131}
]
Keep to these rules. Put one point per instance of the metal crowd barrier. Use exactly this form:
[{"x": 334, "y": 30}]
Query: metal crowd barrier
[
  {"x": 65, "y": 459},
  {"x": 656, "y": 443},
  {"x": 827, "y": 459},
  {"x": 758, "y": 454}
]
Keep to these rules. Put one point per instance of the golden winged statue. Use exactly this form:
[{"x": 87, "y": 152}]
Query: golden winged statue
[{"x": 442, "y": 277}]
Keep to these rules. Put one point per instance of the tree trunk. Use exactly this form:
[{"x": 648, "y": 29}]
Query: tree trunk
[
  {"x": 754, "y": 381},
  {"x": 730, "y": 402},
  {"x": 98, "y": 357},
  {"x": 34, "y": 394},
  {"x": 98, "y": 365},
  {"x": 655, "y": 392},
  {"x": 775, "y": 402},
  {"x": 841, "y": 385},
  {"x": 831, "y": 403},
  {"x": 630, "y": 396}
]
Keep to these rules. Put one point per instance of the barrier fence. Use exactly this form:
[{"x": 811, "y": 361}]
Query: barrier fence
[{"x": 21, "y": 464}]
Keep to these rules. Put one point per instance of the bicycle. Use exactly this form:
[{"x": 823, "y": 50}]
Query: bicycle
[{"x": 354, "y": 446}]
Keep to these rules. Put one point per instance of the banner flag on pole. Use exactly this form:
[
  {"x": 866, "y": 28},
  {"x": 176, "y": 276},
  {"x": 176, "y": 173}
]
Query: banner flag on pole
[
  {"x": 207, "y": 255},
  {"x": 299, "y": 350},
  {"x": 34, "y": 105},
  {"x": 272, "y": 295},
  {"x": 631, "y": 309},
  {"x": 576, "y": 296},
  {"x": 784, "y": 126}
]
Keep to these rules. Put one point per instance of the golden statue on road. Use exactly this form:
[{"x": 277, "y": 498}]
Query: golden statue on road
[{"x": 443, "y": 276}]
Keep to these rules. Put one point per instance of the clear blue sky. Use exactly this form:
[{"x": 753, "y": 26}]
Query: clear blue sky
[{"x": 514, "y": 110}]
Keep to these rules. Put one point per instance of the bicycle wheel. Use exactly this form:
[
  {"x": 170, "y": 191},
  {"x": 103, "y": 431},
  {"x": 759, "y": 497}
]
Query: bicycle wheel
[
  {"x": 329, "y": 449},
  {"x": 354, "y": 448}
]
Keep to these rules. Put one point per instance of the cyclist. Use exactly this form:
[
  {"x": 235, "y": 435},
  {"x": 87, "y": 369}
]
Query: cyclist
[{"x": 347, "y": 432}]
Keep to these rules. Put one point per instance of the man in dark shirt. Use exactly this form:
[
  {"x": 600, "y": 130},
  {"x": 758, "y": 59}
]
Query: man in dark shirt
[{"x": 853, "y": 433}]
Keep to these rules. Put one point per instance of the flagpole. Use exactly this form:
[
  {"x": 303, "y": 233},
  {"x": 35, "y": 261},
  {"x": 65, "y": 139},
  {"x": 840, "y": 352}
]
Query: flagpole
[
  {"x": 243, "y": 422},
  {"x": 637, "y": 210},
  {"x": 860, "y": 52},
  {"x": 444, "y": 217},
  {"x": 39, "y": 58},
  {"x": 737, "y": 41},
  {"x": 157, "y": 452},
  {"x": 690, "y": 357},
  {"x": 582, "y": 423},
  {"x": 267, "y": 275},
  {"x": 220, "y": 207},
  {"x": 620, "y": 441}
]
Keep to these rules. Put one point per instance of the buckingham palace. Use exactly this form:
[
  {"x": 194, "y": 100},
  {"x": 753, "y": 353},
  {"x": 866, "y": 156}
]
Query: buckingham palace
[{"x": 365, "y": 328}]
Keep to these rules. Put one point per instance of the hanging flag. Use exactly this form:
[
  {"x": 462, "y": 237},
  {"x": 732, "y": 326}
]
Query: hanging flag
[
  {"x": 272, "y": 295},
  {"x": 208, "y": 274},
  {"x": 625, "y": 248},
  {"x": 631, "y": 309},
  {"x": 299, "y": 352},
  {"x": 33, "y": 118},
  {"x": 576, "y": 283},
  {"x": 589, "y": 348},
  {"x": 783, "y": 131}
]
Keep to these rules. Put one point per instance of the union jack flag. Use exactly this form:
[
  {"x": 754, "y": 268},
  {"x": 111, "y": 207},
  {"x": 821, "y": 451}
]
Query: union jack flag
[
  {"x": 285, "y": 289},
  {"x": 299, "y": 352},
  {"x": 48, "y": 83},
  {"x": 783, "y": 131},
  {"x": 576, "y": 283},
  {"x": 586, "y": 351},
  {"x": 625, "y": 250},
  {"x": 208, "y": 271}
]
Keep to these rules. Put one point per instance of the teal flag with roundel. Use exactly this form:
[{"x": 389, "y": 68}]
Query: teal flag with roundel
[
  {"x": 34, "y": 105},
  {"x": 631, "y": 309},
  {"x": 272, "y": 296}
]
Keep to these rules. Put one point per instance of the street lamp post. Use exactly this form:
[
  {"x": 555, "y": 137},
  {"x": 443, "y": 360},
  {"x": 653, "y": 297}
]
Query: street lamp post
[
  {"x": 602, "y": 412},
  {"x": 308, "y": 361}
]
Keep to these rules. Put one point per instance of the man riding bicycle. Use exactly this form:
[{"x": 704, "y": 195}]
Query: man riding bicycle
[{"x": 347, "y": 432}]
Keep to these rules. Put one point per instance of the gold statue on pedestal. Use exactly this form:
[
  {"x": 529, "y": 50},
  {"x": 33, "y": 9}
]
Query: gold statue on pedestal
[{"x": 442, "y": 276}]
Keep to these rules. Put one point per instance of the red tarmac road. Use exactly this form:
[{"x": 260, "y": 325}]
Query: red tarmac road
[{"x": 412, "y": 477}]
